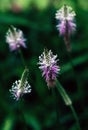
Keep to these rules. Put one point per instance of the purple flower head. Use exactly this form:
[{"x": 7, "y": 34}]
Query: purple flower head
[
  {"x": 65, "y": 26},
  {"x": 66, "y": 20},
  {"x": 15, "y": 38},
  {"x": 49, "y": 67},
  {"x": 17, "y": 91}
]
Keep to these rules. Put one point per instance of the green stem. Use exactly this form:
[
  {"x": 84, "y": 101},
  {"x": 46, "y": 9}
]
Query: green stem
[
  {"x": 23, "y": 78},
  {"x": 22, "y": 58},
  {"x": 75, "y": 116},
  {"x": 63, "y": 93},
  {"x": 68, "y": 102}
]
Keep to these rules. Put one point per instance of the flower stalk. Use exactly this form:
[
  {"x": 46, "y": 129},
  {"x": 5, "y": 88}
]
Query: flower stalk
[
  {"x": 68, "y": 102},
  {"x": 63, "y": 93},
  {"x": 66, "y": 24},
  {"x": 22, "y": 58}
]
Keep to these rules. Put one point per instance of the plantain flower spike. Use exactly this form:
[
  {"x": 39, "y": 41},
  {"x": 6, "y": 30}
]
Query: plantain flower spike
[
  {"x": 66, "y": 24},
  {"x": 48, "y": 66},
  {"x": 21, "y": 86},
  {"x": 15, "y": 38}
]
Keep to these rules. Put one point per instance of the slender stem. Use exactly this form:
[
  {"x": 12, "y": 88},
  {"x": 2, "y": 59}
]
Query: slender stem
[
  {"x": 68, "y": 46},
  {"x": 68, "y": 102},
  {"x": 75, "y": 116},
  {"x": 63, "y": 93},
  {"x": 71, "y": 62},
  {"x": 22, "y": 58}
]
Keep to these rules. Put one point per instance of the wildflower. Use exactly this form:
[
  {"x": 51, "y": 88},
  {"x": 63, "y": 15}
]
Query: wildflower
[
  {"x": 17, "y": 91},
  {"x": 20, "y": 87},
  {"x": 49, "y": 67},
  {"x": 66, "y": 16},
  {"x": 15, "y": 38},
  {"x": 66, "y": 24}
]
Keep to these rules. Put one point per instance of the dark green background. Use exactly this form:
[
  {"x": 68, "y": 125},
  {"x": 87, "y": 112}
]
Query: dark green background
[{"x": 39, "y": 110}]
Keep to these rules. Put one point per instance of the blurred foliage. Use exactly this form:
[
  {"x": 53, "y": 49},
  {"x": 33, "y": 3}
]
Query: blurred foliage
[{"x": 40, "y": 110}]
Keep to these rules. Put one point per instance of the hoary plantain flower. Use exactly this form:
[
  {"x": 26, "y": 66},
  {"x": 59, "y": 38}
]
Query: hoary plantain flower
[
  {"x": 15, "y": 38},
  {"x": 21, "y": 86},
  {"x": 66, "y": 24},
  {"x": 48, "y": 66}
]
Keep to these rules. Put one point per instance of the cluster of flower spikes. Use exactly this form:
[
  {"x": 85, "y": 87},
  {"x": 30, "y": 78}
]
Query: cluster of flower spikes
[
  {"x": 47, "y": 61},
  {"x": 15, "y": 39}
]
